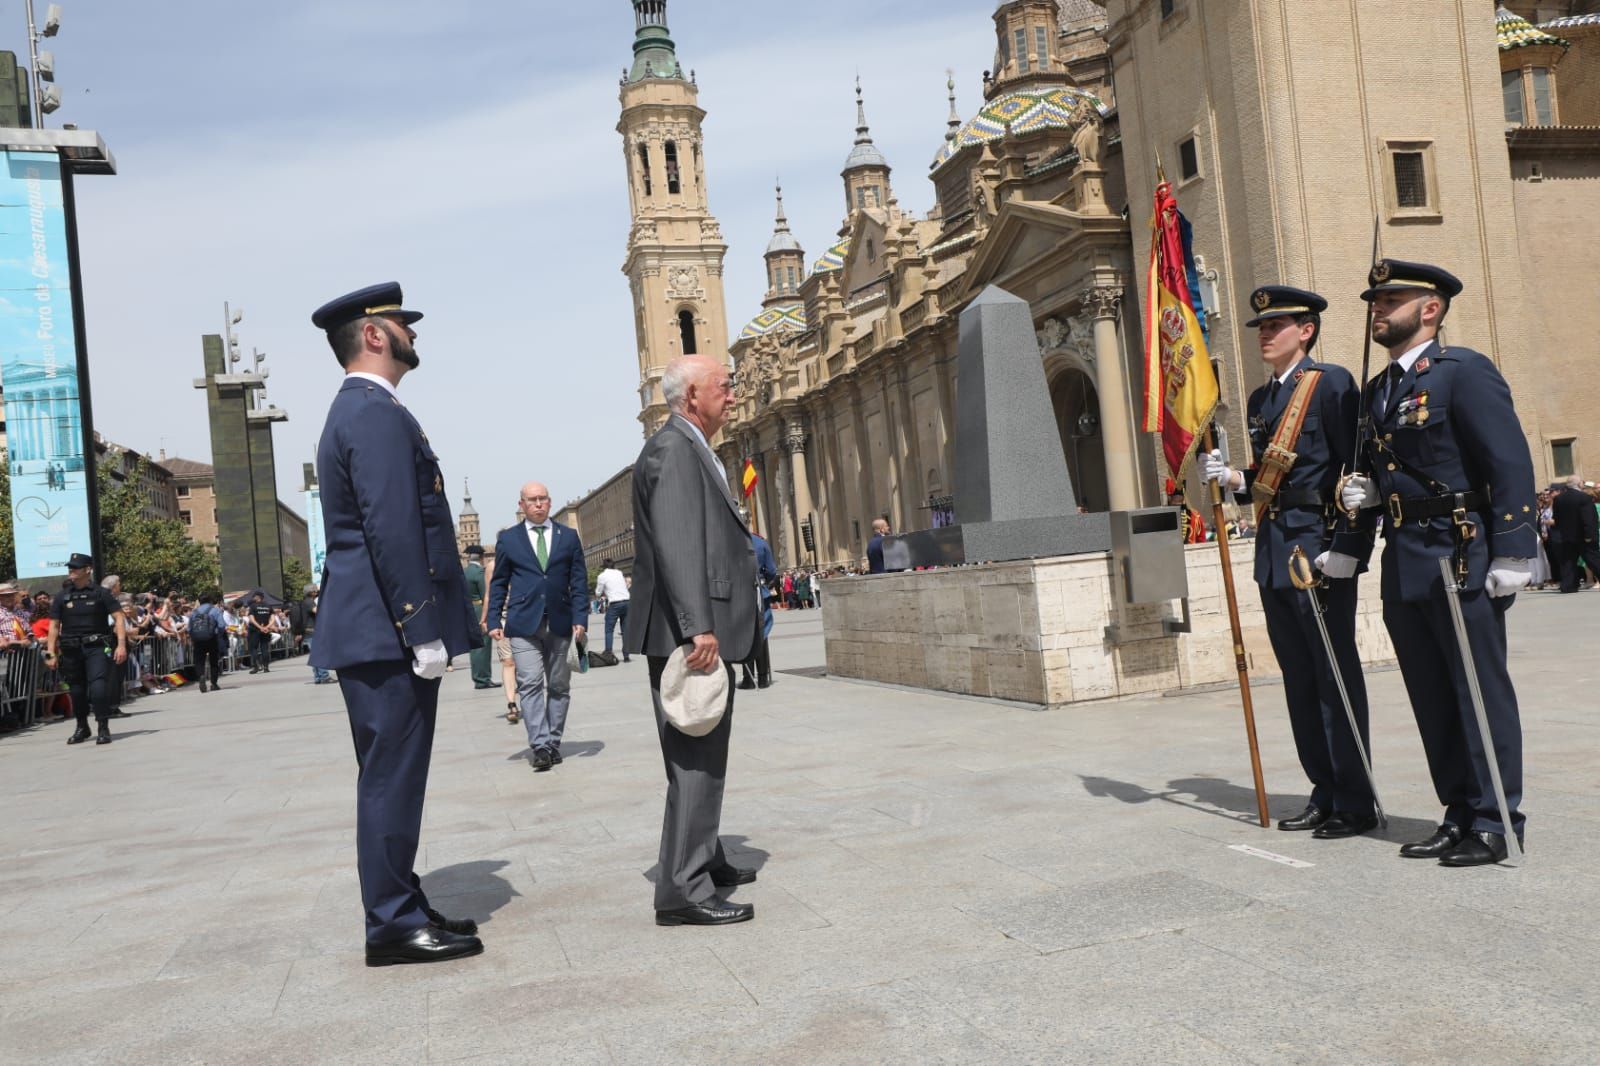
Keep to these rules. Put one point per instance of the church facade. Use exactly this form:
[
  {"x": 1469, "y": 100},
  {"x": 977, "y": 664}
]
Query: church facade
[{"x": 1467, "y": 131}]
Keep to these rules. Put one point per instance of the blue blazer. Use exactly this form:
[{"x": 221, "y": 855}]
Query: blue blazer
[
  {"x": 766, "y": 572},
  {"x": 1471, "y": 440},
  {"x": 529, "y": 594},
  {"x": 1326, "y": 449},
  {"x": 392, "y": 579}
]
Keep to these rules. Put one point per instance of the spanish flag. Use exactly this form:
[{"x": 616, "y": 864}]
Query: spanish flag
[
  {"x": 1180, "y": 393},
  {"x": 748, "y": 479}
]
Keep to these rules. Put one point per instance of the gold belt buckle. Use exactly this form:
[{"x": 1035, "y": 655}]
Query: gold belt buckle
[{"x": 1396, "y": 515}]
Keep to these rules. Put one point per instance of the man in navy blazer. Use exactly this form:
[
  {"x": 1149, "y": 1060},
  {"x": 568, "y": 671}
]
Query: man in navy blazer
[
  {"x": 393, "y": 612},
  {"x": 542, "y": 585}
]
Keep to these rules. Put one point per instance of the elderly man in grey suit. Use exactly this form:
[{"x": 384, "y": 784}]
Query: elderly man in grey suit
[{"x": 694, "y": 586}]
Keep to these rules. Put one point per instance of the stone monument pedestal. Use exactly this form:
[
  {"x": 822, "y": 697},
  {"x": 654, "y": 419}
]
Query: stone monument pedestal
[{"x": 1037, "y": 630}]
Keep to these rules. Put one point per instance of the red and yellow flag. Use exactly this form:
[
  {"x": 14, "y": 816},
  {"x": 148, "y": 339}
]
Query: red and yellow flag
[
  {"x": 1180, "y": 385},
  {"x": 748, "y": 479}
]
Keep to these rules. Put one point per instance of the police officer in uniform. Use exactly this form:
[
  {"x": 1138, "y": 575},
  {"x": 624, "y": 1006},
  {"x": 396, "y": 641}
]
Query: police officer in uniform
[
  {"x": 476, "y": 586},
  {"x": 87, "y": 642},
  {"x": 1451, "y": 477},
  {"x": 1302, "y": 513},
  {"x": 393, "y": 612}
]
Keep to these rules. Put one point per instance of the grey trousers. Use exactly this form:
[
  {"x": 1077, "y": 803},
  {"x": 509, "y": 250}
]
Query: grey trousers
[
  {"x": 696, "y": 769},
  {"x": 544, "y": 685}
]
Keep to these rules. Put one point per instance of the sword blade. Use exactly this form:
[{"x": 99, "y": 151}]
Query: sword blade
[
  {"x": 1349, "y": 709},
  {"x": 1469, "y": 665}
]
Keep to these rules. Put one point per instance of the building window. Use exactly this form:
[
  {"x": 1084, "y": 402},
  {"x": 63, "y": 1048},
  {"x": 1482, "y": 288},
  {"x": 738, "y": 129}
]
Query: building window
[
  {"x": 1543, "y": 109},
  {"x": 1168, "y": 7},
  {"x": 1188, "y": 159},
  {"x": 1022, "y": 51},
  {"x": 791, "y": 278},
  {"x": 861, "y": 196},
  {"x": 1042, "y": 40},
  {"x": 1562, "y": 460},
  {"x": 872, "y": 250},
  {"x": 686, "y": 332},
  {"x": 185, "y": 518},
  {"x": 644, "y": 167},
  {"x": 1511, "y": 92},
  {"x": 183, "y": 491},
  {"x": 1410, "y": 182},
  {"x": 674, "y": 185}
]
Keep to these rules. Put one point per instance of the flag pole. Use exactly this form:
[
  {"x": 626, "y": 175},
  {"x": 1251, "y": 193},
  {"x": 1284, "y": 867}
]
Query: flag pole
[{"x": 1225, "y": 557}]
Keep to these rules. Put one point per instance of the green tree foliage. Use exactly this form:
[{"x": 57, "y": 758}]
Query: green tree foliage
[
  {"x": 296, "y": 576},
  {"x": 8, "y": 544},
  {"x": 149, "y": 554}
]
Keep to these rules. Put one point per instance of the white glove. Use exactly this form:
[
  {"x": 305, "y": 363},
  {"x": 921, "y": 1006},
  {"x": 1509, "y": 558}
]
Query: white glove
[
  {"x": 1337, "y": 564},
  {"x": 431, "y": 659},
  {"x": 1358, "y": 492},
  {"x": 1212, "y": 468},
  {"x": 1507, "y": 576}
]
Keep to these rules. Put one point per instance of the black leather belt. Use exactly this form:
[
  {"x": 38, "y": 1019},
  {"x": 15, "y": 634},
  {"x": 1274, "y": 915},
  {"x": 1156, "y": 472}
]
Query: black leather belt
[
  {"x": 1420, "y": 507},
  {"x": 1286, "y": 499}
]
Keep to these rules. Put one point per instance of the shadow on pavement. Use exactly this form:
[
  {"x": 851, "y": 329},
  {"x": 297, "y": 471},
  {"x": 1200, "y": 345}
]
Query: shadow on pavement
[
  {"x": 736, "y": 849},
  {"x": 117, "y": 734},
  {"x": 577, "y": 749},
  {"x": 469, "y": 889}
]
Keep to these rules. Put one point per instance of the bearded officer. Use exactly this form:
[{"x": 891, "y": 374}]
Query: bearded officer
[
  {"x": 1309, "y": 409},
  {"x": 1451, "y": 477},
  {"x": 394, "y": 611}
]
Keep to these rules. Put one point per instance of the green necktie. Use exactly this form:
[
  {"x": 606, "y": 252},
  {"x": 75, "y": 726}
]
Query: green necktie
[{"x": 540, "y": 549}]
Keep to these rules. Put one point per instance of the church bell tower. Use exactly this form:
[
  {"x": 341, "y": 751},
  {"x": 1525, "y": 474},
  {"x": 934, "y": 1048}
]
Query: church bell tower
[{"x": 675, "y": 247}]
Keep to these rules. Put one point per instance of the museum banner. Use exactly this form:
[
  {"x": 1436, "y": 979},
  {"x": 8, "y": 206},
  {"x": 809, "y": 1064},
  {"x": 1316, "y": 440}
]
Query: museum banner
[
  {"x": 39, "y": 368},
  {"x": 1180, "y": 384}
]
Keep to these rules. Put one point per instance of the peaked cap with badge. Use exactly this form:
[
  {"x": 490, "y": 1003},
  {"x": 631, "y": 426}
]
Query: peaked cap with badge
[
  {"x": 1391, "y": 274},
  {"x": 385, "y": 298},
  {"x": 1277, "y": 301}
]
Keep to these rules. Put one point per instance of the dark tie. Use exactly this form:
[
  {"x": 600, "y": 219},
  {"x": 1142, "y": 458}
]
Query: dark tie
[
  {"x": 1396, "y": 372},
  {"x": 1272, "y": 391}
]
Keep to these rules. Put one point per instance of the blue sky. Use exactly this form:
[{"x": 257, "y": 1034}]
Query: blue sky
[{"x": 276, "y": 155}]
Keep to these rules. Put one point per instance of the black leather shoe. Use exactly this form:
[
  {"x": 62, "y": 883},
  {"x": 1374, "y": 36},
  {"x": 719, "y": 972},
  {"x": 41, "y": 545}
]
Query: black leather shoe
[
  {"x": 458, "y": 926},
  {"x": 555, "y": 757},
  {"x": 1341, "y": 824},
  {"x": 746, "y": 683},
  {"x": 105, "y": 734},
  {"x": 79, "y": 735},
  {"x": 1444, "y": 838},
  {"x": 765, "y": 682},
  {"x": 728, "y": 876},
  {"x": 541, "y": 760},
  {"x": 711, "y": 912},
  {"x": 425, "y": 945},
  {"x": 627, "y": 659},
  {"x": 1478, "y": 848},
  {"x": 1309, "y": 818},
  {"x": 202, "y": 685}
]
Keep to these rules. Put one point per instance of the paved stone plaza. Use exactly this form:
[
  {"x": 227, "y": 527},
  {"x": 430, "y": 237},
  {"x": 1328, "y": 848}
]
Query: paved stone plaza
[{"x": 941, "y": 880}]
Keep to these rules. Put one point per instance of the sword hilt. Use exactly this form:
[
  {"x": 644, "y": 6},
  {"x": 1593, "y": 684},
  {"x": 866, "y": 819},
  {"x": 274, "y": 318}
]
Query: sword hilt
[{"x": 1301, "y": 573}]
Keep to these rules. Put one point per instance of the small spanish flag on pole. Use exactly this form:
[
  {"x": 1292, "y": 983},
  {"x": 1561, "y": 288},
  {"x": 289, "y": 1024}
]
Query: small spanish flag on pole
[{"x": 747, "y": 482}]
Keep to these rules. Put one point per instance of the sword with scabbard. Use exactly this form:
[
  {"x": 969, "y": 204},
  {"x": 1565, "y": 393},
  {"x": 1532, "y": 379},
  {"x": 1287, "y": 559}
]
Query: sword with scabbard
[
  {"x": 1452, "y": 591},
  {"x": 1363, "y": 412},
  {"x": 1305, "y": 578}
]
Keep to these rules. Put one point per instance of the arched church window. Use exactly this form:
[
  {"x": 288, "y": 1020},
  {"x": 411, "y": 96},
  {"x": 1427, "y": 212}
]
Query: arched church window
[
  {"x": 686, "y": 332},
  {"x": 644, "y": 167},
  {"x": 674, "y": 184}
]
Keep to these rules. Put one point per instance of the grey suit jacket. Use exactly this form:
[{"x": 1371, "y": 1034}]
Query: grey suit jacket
[{"x": 694, "y": 568}]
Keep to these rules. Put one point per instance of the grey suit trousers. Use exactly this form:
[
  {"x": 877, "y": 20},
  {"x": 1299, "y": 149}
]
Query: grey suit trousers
[{"x": 696, "y": 770}]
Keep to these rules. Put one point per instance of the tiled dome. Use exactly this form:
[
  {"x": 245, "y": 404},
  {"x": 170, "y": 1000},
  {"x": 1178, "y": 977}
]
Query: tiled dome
[
  {"x": 1514, "y": 31},
  {"x": 833, "y": 258},
  {"x": 785, "y": 318},
  {"x": 1026, "y": 110}
]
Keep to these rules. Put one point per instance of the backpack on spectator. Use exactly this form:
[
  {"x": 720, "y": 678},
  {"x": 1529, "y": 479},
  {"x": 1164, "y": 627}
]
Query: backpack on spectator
[{"x": 203, "y": 625}]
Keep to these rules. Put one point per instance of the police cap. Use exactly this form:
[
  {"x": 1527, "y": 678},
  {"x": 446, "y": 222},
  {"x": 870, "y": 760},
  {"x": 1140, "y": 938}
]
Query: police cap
[
  {"x": 1398, "y": 274},
  {"x": 79, "y": 561},
  {"x": 382, "y": 299},
  {"x": 1276, "y": 301},
  {"x": 474, "y": 549}
]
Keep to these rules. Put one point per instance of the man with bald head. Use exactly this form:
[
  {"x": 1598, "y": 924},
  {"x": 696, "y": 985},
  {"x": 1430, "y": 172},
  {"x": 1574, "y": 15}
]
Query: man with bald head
[
  {"x": 694, "y": 588},
  {"x": 540, "y": 589}
]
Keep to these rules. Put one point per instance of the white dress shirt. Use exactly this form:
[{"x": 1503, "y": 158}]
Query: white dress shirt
[
  {"x": 533, "y": 540},
  {"x": 375, "y": 379},
  {"x": 612, "y": 585}
]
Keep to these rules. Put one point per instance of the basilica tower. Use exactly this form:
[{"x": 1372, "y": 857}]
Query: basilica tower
[{"x": 675, "y": 247}]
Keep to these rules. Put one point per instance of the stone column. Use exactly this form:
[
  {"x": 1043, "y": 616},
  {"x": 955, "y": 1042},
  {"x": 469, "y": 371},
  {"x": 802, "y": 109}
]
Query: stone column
[
  {"x": 785, "y": 544},
  {"x": 895, "y": 504},
  {"x": 1104, "y": 303},
  {"x": 794, "y": 439}
]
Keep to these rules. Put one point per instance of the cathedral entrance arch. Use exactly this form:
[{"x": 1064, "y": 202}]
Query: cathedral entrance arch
[{"x": 1076, "y": 403}]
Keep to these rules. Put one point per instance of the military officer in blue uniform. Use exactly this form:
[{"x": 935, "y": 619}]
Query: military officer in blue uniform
[
  {"x": 394, "y": 611},
  {"x": 1450, "y": 477},
  {"x": 1300, "y": 510}
]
